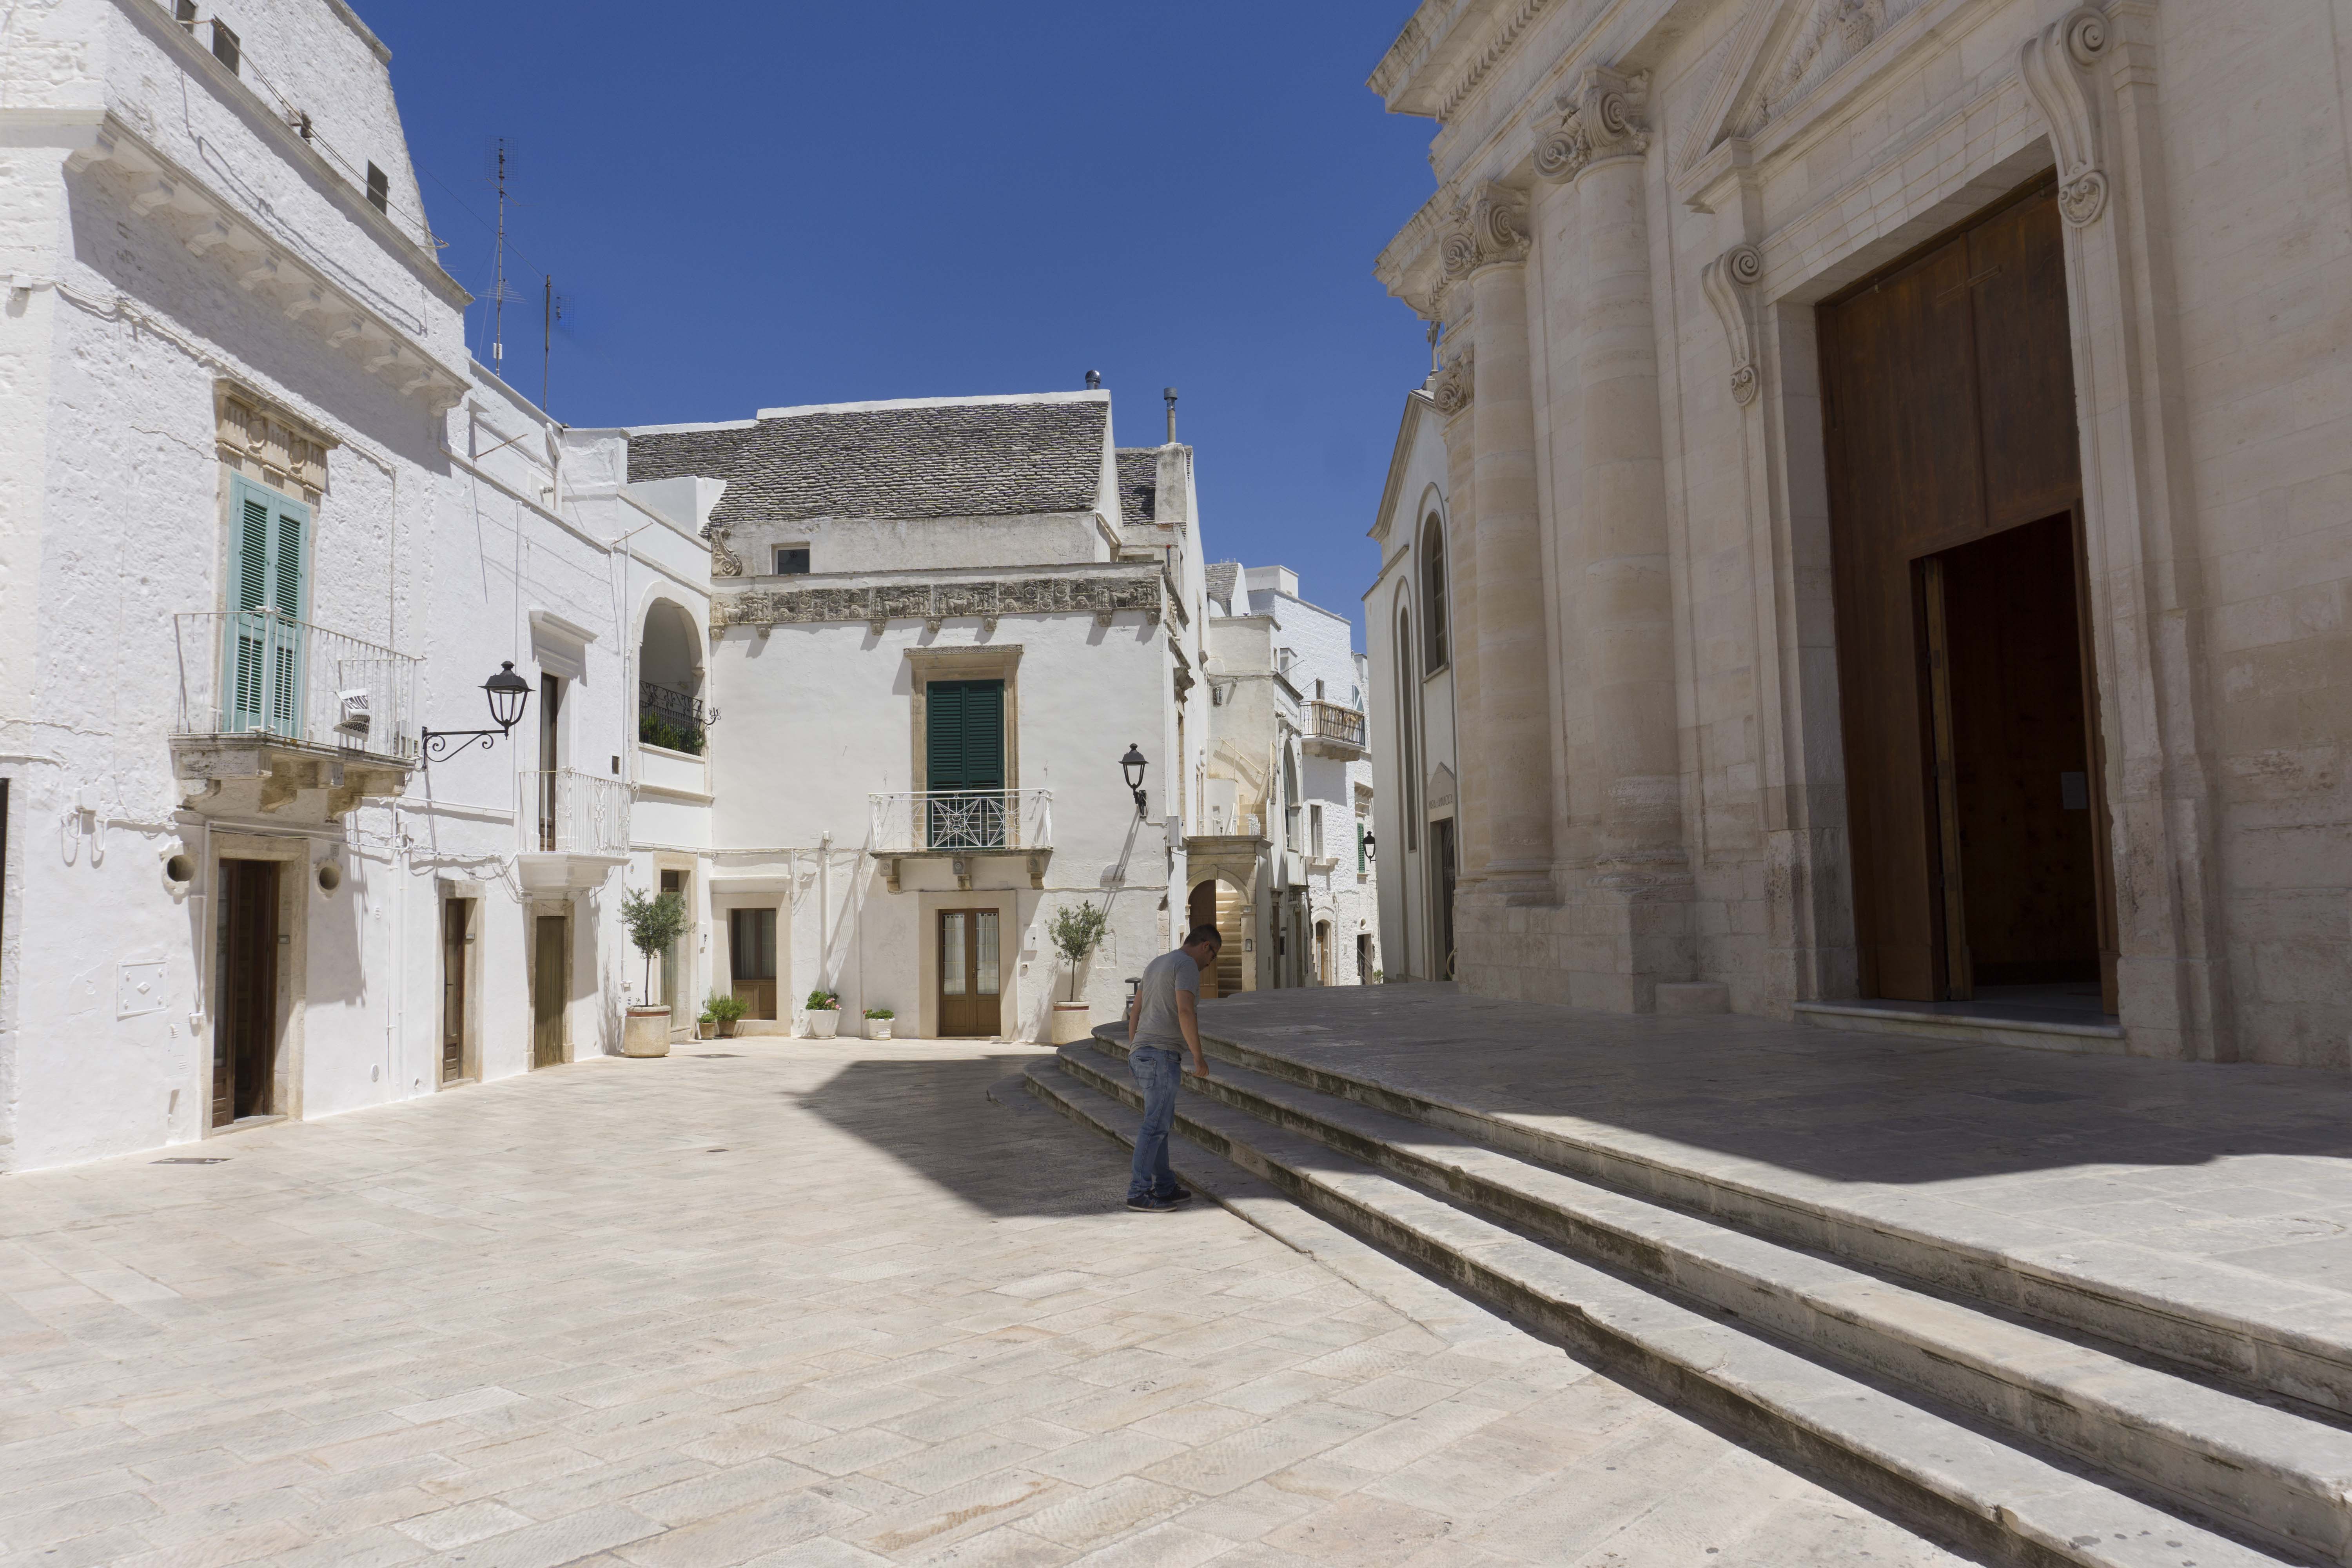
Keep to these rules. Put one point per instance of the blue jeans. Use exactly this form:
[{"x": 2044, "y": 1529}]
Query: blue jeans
[{"x": 1158, "y": 1073}]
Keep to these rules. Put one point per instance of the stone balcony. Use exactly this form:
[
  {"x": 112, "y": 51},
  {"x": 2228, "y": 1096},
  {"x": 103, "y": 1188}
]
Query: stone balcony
[
  {"x": 270, "y": 707},
  {"x": 1332, "y": 730},
  {"x": 961, "y": 827}
]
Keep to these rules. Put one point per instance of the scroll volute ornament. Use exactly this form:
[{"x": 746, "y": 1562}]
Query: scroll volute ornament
[
  {"x": 1451, "y": 390},
  {"x": 1488, "y": 229},
  {"x": 2055, "y": 66},
  {"x": 1727, "y": 280},
  {"x": 1601, "y": 120}
]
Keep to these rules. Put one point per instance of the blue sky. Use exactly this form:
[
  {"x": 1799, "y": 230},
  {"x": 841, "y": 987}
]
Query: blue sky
[{"x": 753, "y": 205}]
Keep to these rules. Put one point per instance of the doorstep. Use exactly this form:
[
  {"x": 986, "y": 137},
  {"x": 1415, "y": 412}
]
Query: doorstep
[{"x": 1991, "y": 1024}]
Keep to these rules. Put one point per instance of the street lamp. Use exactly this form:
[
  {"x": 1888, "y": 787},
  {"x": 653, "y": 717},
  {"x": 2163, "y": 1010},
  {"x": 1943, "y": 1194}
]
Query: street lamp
[
  {"x": 1134, "y": 765},
  {"x": 507, "y": 694},
  {"x": 1372, "y": 846}
]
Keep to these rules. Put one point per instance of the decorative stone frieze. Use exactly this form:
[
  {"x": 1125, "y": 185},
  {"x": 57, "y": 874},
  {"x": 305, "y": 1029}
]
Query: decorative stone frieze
[
  {"x": 1489, "y": 229},
  {"x": 1600, "y": 119},
  {"x": 936, "y": 603},
  {"x": 1727, "y": 280},
  {"x": 1452, "y": 388},
  {"x": 2054, "y": 64}
]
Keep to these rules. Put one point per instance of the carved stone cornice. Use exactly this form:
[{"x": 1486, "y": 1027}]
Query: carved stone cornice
[
  {"x": 1489, "y": 229},
  {"x": 2055, "y": 64},
  {"x": 878, "y": 605},
  {"x": 1452, "y": 389},
  {"x": 1729, "y": 281},
  {"x": 1600, "y": 120}
]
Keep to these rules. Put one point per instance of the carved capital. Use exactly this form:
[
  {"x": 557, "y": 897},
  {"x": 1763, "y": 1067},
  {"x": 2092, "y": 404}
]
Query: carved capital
[
  {"x": 1729, "y": 281},
  {"x": 1488, "y": 229},
  {"x": 2055, "y": 66},
  {"x": 1600, "y": 119},
  {"x": 1452, "y": 389}
]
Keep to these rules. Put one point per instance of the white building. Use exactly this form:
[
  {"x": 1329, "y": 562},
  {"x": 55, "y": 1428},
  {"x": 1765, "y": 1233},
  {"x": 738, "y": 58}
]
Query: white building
[
  {"x": 1408, "y": 625},
  {"x": 1285, "y": 866},
  {"x": 262, "y": 525},
  {"x": 940, "y": 626}
]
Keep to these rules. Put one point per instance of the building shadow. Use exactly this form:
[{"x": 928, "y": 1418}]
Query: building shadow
[{"x": 1841, "y": 1106}]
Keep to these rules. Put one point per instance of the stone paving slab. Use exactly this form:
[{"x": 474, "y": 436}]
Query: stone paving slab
[
  {"x": 2217, "y": 1193},
  {"x": 802, "y": 1304}
]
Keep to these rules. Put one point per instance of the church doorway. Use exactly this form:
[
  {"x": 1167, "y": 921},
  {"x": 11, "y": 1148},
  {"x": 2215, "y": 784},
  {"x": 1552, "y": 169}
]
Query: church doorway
[{"x": 1973, "y": 759}]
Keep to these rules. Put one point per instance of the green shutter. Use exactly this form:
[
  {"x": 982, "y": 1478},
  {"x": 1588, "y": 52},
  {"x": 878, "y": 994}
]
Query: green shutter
[
  {"x": 964, "y": 740},
  {"x": 269, "y": 561}
]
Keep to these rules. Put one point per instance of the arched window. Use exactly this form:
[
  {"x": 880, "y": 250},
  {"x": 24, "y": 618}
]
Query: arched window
[
  {"x": 1408, "y": 735},
  {"x": 1432, "y": 591}
]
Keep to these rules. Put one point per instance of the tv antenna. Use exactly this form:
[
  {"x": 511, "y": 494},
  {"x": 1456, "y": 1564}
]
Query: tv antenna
[
  {"x": 550, "y": 312},
  {"x": 500, "y": 292}
]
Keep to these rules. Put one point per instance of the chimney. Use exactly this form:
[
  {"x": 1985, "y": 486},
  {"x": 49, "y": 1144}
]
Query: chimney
[
  {"x": 1094, "y": 381},
  {"x": 1169, "y": 394}
]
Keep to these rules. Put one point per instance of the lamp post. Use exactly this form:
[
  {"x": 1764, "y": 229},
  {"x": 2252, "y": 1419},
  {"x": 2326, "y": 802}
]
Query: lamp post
[
  {"x": 1372, "y": 846},
  {"x": 507, "y": 694},
  {"x": 1133, "y": 765}
]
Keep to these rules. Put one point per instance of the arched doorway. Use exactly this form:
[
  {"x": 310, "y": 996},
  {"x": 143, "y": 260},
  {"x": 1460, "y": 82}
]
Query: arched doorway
[{"x": 1221, "y": 904}]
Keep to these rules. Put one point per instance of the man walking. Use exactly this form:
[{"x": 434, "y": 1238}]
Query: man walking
[{"x": 1162, "y": 1020}]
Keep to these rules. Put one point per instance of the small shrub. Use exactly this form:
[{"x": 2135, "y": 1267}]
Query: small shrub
[
  {"x": 879, "y": 1013},
  {"x": 723, "y": 1006}
]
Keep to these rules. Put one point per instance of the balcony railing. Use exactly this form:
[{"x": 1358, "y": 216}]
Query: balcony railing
[
  {"x": 1329, "y": 721},
  {"x": 567, "y": 812},
  {"x": 257, "y": 672},
  {"x": 672, "y": 719},
  {"x": 1223, "y": 824},
  {"x": 962, "y": 820}
]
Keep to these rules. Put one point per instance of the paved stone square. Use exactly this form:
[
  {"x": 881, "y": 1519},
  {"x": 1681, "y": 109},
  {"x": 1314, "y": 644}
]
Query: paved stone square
[{"x": 787, "y": 1302}]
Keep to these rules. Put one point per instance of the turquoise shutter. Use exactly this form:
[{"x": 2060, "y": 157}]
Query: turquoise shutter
[{"x": 270, "y": 568}]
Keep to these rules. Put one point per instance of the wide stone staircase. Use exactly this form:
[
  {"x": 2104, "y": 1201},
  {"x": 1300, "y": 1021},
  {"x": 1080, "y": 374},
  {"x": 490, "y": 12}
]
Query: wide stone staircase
[{"x": 2056, "y": 1426}]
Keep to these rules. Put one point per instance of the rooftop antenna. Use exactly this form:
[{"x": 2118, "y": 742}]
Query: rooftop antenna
[
  {"x": 1169, "y": 394},
  {"x": 550, "y": 312},
  {"x": 1094, "y": 381},
  {"x": 499, "y": 292}
]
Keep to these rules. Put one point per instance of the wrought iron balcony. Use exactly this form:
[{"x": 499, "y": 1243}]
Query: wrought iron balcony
[
  {"x": 672, "y": 719},
  {"x": 959, "y": 824},
  {"x": 1334, "y": 731},
  {"x": 263, "y": 696}
]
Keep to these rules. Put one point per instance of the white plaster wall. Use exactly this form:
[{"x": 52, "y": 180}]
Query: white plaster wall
[{"x": 866, "y": 545}]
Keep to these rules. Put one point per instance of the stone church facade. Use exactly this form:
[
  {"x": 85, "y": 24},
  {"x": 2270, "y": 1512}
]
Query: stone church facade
[{"x": 1899, "y": 506}]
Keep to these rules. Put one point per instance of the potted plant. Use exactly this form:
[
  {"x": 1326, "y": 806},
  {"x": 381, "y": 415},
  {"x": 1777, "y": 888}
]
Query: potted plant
[
  {"x": 706, "y": 1026},
  {"x": 824, "y": 1012},
  {"x": 1076, "y": 933},
  {"x": 877, "y": 1023},
  {"x": 653, "y": 924},
  {"x": 723, "y": 1008}
]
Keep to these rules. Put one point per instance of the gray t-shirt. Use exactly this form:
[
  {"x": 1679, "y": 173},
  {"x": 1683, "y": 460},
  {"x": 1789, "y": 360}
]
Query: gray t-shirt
[{"x": 1156, "y": 1023}]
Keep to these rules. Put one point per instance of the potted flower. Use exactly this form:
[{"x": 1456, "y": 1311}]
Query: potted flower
[
  {"x": 653, "y": 924},
  {"x": 877, "y": 1023},
  {"x": 1076, "y": 932},
  {"x": 723, "y": 1008},
  {"x": 706, "y": 1026},
  {"x": 824, "y": 1012}
]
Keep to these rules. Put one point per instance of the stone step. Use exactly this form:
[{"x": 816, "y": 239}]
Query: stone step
[
  {"x": 2275, "y": 1474},
  {"x": 2252, "y": 1330},
  {"x": 1989, "y": 1498}
]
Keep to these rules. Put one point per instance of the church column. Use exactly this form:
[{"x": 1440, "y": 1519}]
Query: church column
[
  {"x": 1626, "y": 593},
  {"x": 1486, "y": 253}
]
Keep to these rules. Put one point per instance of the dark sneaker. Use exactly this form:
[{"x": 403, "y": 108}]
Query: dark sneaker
[
  {"x": 1149, "y": 1205},
  {"x": 1175, "y": 1195}
]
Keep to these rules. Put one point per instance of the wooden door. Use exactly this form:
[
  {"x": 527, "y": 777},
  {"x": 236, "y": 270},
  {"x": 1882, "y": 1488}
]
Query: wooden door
[
  {"x": 970, "y": 973},
  {"x": 453, "y": 913},
  {"x": 1441, "y": 878},
  {"x": 551, "y": 761},
  {"x": 752, "y": 960},
  {"x": 245, "y": 1023},
  {"x": 1949, "y": 401},
  {"x": 550, "y": 976}
]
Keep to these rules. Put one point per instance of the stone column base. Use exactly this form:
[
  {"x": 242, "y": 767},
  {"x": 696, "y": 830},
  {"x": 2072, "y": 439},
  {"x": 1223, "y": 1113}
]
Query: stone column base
[{"x": 1609, "y": 948}]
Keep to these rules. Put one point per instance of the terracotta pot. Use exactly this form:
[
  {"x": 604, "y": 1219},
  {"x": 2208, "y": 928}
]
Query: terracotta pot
[
  {"x": 1073, "y": 1022},
  {"x": 646, "y": 1033},
  {"x": 822, "y": 1022}
]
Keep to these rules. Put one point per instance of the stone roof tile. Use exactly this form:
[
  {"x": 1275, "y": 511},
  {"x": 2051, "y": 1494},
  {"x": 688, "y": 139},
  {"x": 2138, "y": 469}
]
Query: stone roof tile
[{"x": 1139, "y": 485}]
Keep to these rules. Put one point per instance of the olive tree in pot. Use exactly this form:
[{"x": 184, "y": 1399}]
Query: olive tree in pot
[
  {"x": 1076, "y": 932},
  {"x": 653, "y": 924}
]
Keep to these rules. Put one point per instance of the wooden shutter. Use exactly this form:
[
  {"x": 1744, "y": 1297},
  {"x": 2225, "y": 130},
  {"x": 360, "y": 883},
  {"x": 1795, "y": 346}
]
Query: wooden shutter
[
  {"x": 269, "y": 568},
  {"x": 964, "y": 735}
]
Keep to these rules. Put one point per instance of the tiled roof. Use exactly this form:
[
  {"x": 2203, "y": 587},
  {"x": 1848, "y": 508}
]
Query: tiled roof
[
  {"x": 945, "y": 459},
  {"x": 1225, "y": 576},
  {"x": 1138, "y": 484}
]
